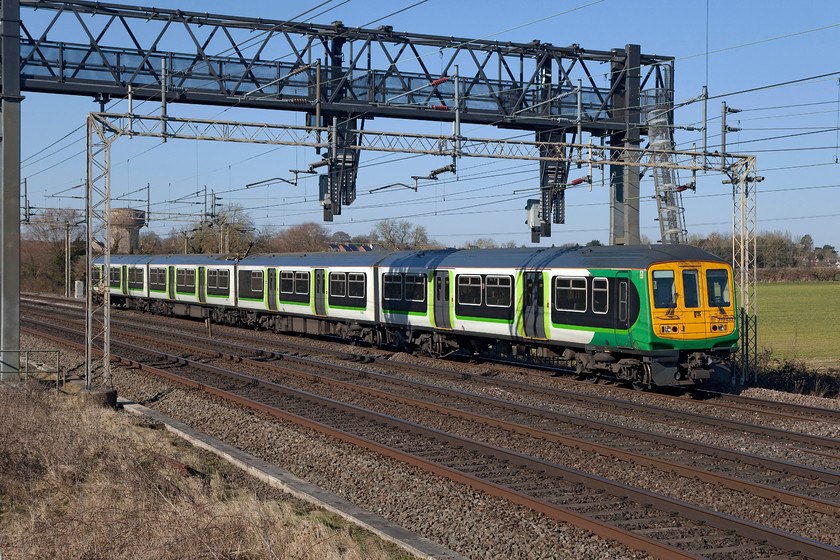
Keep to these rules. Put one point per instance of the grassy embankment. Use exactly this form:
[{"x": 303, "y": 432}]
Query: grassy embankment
[
  {"x": 78, "y": 481},
  {"x": 800, "y": 321},
  {"x": 799, "y": 335}
]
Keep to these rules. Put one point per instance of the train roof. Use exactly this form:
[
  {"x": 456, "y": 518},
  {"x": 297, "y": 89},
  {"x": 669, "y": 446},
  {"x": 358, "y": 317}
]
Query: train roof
[
  {"x": 606, "y": 257},
  {"x": 166, "y": 260}
]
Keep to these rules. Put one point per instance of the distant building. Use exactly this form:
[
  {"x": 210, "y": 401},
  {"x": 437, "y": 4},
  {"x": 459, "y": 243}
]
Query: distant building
[{"x": 125, "y": 229}]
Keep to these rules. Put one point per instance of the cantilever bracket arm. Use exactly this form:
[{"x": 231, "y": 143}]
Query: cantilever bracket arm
[
  {"x": 273, "y": 179},
  {"x": 414, "y": 188}
]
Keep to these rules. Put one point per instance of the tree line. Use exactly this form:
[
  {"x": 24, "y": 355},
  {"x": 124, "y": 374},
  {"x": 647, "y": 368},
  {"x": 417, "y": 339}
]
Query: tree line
[{"x": 779, "y": 256}]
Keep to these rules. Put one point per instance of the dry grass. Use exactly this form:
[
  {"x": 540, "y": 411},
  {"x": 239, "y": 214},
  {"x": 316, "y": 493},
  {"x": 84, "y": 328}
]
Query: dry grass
[{"x": 80, "y": 482}]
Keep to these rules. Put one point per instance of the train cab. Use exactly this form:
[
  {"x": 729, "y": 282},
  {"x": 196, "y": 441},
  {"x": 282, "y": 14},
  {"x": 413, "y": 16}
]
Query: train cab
[{"x": 692, "y": 301}]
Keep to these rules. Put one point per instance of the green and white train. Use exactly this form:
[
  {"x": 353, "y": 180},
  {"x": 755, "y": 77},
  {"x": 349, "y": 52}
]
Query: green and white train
[{"x": 659, "y": 315}]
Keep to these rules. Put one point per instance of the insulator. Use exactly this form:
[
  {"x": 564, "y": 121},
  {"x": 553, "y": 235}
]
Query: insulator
[
  {"x": 439, "y": 107},
  {"x": 297, "y": 70},
  {"x": 440, "y": 81},
  {"x": 297, "y": 100},
  {"x": 577, "y": 181}
]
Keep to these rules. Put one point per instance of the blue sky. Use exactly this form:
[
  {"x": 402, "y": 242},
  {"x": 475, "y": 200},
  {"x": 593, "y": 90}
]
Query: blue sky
[{"x": 750, "y": 44}]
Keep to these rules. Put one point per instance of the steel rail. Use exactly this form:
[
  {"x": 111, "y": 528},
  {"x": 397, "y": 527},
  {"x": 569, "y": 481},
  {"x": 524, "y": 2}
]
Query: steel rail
[
  {"x": 678, "y": 443},
  {"x": 614, "y": 404},
  {"x": 732, "y": 483},
  {"x": 786, "y": 411},
  {"x": 604, "y": 530},
  {"x": 744, "y": 528},
  {"x": 817, "y": 414}
]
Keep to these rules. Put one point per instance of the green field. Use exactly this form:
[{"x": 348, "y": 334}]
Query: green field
[{"x": 800, "y": 321}]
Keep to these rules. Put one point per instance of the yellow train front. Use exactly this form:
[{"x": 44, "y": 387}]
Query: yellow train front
[{"x": 692, "y": 317}]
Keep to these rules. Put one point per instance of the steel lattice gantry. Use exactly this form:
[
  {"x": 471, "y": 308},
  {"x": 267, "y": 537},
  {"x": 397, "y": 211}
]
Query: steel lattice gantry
[
  {"x": 339, "y": 76},
  {"x": 351, "y": 74}
]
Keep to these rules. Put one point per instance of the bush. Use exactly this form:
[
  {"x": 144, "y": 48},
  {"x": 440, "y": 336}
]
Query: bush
[{"x": 799, "y": 274}]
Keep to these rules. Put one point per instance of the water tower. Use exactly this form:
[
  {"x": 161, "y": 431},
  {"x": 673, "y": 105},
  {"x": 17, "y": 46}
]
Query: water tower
[{"x": 125, "y": 229}]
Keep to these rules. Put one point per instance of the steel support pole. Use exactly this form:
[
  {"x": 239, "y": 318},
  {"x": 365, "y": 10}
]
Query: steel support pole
[
  {"x": 67, "y": 259},
  {"x": 10, "y": 205},
  {"x": 624, "y": 179},
  {"x": 98, "y": 214}
]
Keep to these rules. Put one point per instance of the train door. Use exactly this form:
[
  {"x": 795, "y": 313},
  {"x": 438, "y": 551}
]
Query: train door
[
  {"x": 320, "y": 299},
  {"x": 200, "y": 285},
  {"x": 533, "y": 305},
  {"x": 693, "y": 312},
  {"x": 271, "y": 291},
  {"x": 170, "y": 281},
  {"x": 124, "y": 280},
  {"x": 622, "y": 300},
  {"x": 443, "y": 319}
]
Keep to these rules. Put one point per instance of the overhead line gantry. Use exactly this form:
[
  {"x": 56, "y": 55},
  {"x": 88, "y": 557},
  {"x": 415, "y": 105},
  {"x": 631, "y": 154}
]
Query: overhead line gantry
[
  {"x": 342, "y": 76},
  {"x": 339, "y": 76}
]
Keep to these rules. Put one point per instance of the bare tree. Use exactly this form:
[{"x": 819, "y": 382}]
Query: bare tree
[
  {"x": 43, "y": 253},
  {"x": 481, "y": 243},
  {"x": 401, "y": 235},
  {"x": 340, "y": 237},
  {"x": 305, "y": 237}
]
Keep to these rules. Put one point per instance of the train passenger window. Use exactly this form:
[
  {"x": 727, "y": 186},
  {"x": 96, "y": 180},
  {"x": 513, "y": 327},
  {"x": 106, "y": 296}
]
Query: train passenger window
[
  {"x": 356, "y": 285},
  {"x": 469, "y": 290},
  {"x": 212, "y": 278},
  {"x": 570, "y": 294},
  {"x": 717, "y": 283},
  {"x": 392, "y": 286},
  {"x": 691, "y": 287},
  {"x": 415, "y": 287},
  {"x": 224, "y": 279},
  {"x": 157, "y": 278},
  {"x": 135, "y": 278},
  {"x": 190, "y": 278},
  {"x": 338, "y": 284},
  {"x": 302, "y": 283},
  {"x": 114, "y": 275},
  {"x": 600, "y": 295},
  {"x": 664, "y": 288},
  {"x": 287, "y": 282},
  {"x": 256, "y": 280},
  {"x": 497, "y": 291}
]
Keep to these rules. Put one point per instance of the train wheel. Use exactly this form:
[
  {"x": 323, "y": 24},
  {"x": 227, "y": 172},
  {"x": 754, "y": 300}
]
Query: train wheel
[
  {"x": 379, "y": 338},
  {"x": 643, "y": 384}
]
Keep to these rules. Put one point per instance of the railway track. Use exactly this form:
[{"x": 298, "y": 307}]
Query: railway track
[
  {"x": 793, "y": 484},
  {"x": 688, "y": 419},
  {"x": 534, "y": 478},
  {"x": 705, "y": 399}
]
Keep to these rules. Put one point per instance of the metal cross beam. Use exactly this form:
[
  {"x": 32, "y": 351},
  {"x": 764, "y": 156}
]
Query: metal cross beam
[
  {"x": 100, "y": 49},
  {"x": 595, "y": 155}
]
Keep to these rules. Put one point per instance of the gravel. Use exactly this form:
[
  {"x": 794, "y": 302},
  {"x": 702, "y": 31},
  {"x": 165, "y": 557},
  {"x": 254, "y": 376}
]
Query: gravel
[{"x": 471, "y": 523}]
